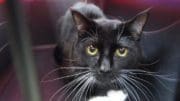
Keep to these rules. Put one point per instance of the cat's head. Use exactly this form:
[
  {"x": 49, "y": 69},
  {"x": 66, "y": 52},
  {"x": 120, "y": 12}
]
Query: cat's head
[{"x": 108, "y": 46}]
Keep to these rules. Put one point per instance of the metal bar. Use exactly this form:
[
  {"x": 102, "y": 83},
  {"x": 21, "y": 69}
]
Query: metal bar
[{"x": 21, "y": 51}]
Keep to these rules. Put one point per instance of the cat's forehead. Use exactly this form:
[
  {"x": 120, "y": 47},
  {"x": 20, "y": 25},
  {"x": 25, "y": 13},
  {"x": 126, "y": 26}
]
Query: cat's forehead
[
  {"x": 111, "y": 24},
  {"x": 108, "y": 28}
]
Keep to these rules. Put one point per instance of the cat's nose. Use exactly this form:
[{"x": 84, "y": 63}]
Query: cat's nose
[
  {"x": 105, "y": 66},
  {"x": 104, "y": 69}
]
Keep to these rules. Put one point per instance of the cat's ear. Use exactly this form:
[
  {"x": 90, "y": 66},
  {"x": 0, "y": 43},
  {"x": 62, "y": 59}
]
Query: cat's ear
[
  {"x": 136, "y": 24},
  {"x": 82, "y": 23}
]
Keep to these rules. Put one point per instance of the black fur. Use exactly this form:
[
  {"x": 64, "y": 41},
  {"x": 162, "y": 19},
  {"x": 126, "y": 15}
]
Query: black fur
[{"x": 84, "y": 25}]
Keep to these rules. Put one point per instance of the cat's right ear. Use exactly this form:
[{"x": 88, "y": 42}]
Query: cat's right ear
[
  {"x": 136, "y": 24},
  {"x": 82, "y": 23}
]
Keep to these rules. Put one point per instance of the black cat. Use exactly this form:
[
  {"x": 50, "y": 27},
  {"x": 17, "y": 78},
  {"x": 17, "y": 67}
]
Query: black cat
[{"x": 101, "y": 55}]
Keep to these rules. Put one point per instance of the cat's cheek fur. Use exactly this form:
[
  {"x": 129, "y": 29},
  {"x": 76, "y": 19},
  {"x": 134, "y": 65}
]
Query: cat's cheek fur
[{"x": 111, "y": 96}]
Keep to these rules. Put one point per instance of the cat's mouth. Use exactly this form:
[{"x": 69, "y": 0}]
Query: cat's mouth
[{"x": 105, "y": 78}]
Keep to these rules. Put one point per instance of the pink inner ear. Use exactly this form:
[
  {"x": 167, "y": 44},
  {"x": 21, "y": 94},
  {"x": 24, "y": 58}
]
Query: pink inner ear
[
  {"x": 77, "y": 19},
  {"x": 80, "y": 27},
  {"x": 80, "y": 20}
]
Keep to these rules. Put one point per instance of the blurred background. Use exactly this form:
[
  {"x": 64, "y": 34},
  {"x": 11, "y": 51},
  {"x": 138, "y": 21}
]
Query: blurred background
[{"x": 42, "y": 16}]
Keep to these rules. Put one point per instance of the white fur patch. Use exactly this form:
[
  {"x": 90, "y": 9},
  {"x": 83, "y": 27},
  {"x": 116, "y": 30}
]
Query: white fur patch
[{"x": 111, "y": 96}]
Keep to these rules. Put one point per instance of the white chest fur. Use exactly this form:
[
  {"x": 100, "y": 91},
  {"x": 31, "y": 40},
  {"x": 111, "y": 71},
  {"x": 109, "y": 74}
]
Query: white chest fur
[{"x": 111, "y": 96}]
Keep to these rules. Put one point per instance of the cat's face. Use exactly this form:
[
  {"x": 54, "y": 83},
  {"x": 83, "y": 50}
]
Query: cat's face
[{"x": 107, "y": 47}]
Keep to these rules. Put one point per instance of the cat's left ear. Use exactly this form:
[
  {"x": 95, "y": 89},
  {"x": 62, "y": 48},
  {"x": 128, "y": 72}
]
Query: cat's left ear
[
  {"x": 82, "y": 23},
  {"x": 135, "y": 25}
]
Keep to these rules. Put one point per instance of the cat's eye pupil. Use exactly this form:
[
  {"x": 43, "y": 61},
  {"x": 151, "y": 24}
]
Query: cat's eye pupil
[
  {"x": 92, "y": 48},
  {"x": 121, "y": 50}
]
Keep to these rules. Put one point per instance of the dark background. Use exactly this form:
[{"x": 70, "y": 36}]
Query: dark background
[{"x": 42, "y": 15}]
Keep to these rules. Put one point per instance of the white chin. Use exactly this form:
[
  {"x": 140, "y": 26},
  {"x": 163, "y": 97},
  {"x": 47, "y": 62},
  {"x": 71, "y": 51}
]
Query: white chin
[{"x": 111, "y": 96}]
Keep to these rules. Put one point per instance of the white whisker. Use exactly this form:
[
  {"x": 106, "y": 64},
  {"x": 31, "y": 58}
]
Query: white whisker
[
  {"x": 75, "y": 81},
  {"x": 137, "y": 84},
  {"x": 75, "y": 67},
  {"x": 78, "y": 85},
  {"x": 67, "y": 76},
  {"x": 161, "y": 78},
  {"x": 164, "y": 85},
  {"x": 84, "y": 89},
  {"x": 145, "y": 81},
  {"x": 80, "y": 89},
  {"x": 132, "y": 90},
  {"x": 153, "y": 74},
  {"x": 122, "y": 84}
]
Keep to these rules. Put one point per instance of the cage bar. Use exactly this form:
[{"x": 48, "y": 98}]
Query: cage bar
[{"x": 19, "y": 41}]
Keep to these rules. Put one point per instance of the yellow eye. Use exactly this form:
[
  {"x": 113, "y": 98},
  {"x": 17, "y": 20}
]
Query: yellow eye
[
  {"x": 91, "y": 50},
  {"x": 121, "y": 52}
]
